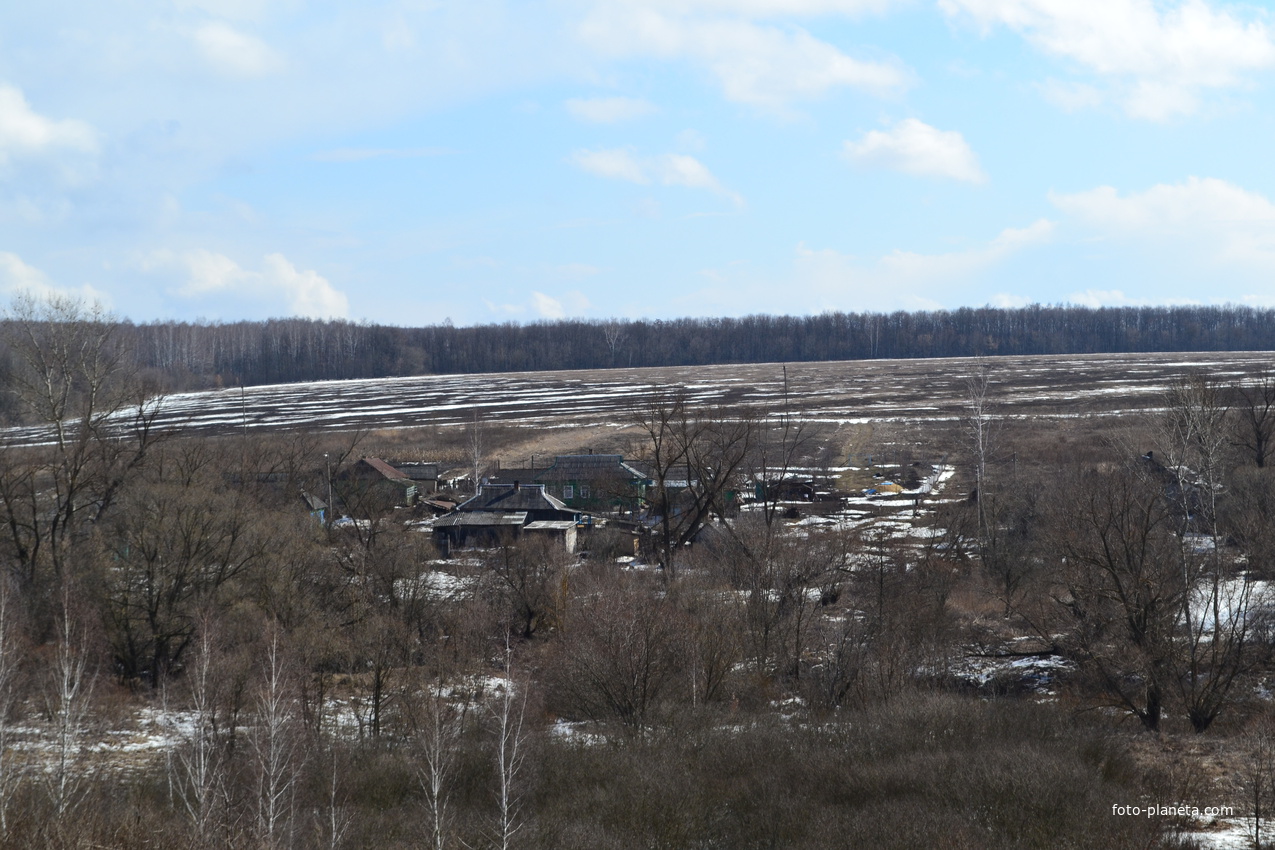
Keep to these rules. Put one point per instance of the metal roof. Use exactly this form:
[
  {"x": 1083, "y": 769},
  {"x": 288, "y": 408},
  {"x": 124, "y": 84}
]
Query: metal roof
[
  {"x": 483, "y": 519},
  {"x": 384, "y": 468},
  {"x": 508, "y": 497},
  {"x": 589, "y": 468},
  {"x": 550, "y": 525}
]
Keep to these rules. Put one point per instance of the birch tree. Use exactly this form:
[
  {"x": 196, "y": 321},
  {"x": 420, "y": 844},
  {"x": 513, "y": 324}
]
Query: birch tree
[{"x": 276, "y": 751}]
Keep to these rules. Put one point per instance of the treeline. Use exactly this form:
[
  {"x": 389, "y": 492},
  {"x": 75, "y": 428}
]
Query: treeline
[{"x": 197, "y": 355}]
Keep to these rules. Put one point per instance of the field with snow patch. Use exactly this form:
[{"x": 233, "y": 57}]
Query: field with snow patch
[{"x": 1046, "y": 388}]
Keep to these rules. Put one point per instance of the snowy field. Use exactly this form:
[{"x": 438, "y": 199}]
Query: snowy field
[{"x": 855, "y": 391}]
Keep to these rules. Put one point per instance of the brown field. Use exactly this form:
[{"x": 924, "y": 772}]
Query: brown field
[{"x": 858, "y": 407}]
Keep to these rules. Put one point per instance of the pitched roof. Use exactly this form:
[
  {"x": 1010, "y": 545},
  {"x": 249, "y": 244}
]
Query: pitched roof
[
  {"x": 509, "y": 497},
  {"x": 509, "y": 475},
  {"x": 384, "y": 468},
  {"x": 481, "y": 519},
  {"x": 589, "y": 468}
]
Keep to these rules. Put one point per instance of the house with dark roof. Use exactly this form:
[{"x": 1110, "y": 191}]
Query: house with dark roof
[
  {"x": 594, "y": 481},
  {"x": 586, "y": 482},
  {"x": 502, "y": 512}
]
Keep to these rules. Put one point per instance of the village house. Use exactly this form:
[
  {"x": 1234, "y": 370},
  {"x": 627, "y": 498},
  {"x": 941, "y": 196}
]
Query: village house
[
  {"x": 502, "y": 512},
  {"x": 586, "y": 482},
  {"x": 372, "y": 485}
]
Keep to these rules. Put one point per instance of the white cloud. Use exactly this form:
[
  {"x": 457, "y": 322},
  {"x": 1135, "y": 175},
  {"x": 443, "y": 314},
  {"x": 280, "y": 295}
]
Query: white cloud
[
  {"x": 901, "y": 266},
  {"x": 304, "y": 293},
  {"x": 235, "y": 53},
  {"x": 1009, "y": 301},
  {"x": 763, "y": 66},
  {"x": 906, "y": 279},
  {"x": 616, "y": 164},
  {"x": 917, "y": 148},
  {"x": 1095, "y": 298},
  {"x": 1160, "y": 54},
  {"x": 1207, "y": 219},
  {"x": 609, "y": 110},
  {"x": 18, "y": 278},
  {"x": 681, "y": 170},
  {"x": 1071, "y": 96},
  {"x": 670, "y": 169},
  {"x": 546, "y": 307},
  {"x": 26, "y": 133}
]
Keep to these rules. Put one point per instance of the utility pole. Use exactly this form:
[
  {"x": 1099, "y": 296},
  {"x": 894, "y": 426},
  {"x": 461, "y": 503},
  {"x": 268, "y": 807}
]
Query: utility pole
[{"x": 327, "y": 465}]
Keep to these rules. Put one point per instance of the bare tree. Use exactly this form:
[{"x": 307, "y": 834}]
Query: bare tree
[
  {"x": 981, "y": 424},
  {"x": 780, "y": 441},
  {"x": 10, "y": 660},
  {"x": 1255, "y": 420},
  {"x": 476, "y": 448},
  {"x": 783, "y": 578},
  {"x": 618, "y": 655},
  {"x": 1259, "y": 777},
  {"x": 75, "y": 386},
  {"x": 68, "y": 698},
  {"x": 509, "y": 715},
  {"x": 1121, "y": 588},
  {"x": 438, "y": 737},
  {"x": 613, "y": 333},
  {"x": 276, "y": 751},
  {"x": 171, "y": 550},
  {"x": 1214, "y": 628},
  {"x": 199, "y": 772},
  {"x": 527, "y": 574},
  {"x": 695, "y": 457}
]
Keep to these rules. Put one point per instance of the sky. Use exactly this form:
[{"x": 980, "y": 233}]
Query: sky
[{"x": 412, "y": 162}]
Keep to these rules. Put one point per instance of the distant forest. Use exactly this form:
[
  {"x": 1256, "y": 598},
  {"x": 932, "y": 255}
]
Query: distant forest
[{"x": 199, "y": 355}]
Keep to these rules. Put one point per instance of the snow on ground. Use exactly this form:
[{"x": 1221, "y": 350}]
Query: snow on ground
[
  {"x": 847, "y": 392},
  {"x": 1033, "y": 673},
  {"x": 1227, "y": 834},
  {"x": 1236, "y": 599}
]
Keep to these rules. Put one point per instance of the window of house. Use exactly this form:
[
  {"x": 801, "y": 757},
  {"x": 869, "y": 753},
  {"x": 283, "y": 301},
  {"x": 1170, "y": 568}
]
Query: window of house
[
  {"x": 568, "y": 492},
  {"x": 584, "y": 492}
]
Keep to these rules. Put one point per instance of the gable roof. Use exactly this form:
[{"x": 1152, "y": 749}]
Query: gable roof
[
  {"x": 512, "y": 497},
  {"x": 384, "y": 468},
  {"x": 589, "y": 468},
  {"x": 508, "y": 475},
  {"x": 481, "y": 519}
]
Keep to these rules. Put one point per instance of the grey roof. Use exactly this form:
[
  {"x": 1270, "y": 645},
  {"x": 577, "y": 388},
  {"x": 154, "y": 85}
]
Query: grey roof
[
  {"x": 418, "y": 471},
  {"x": 589, "y": 468},
  {"x": 677, "y": 476},
  {"x": 313, "y": 501},
  {"x": 508, "y": 497},
  {"x": 511, "y": 474},
  {"x": 550, "y": 525},
  {"x": 481, "y": 519}
]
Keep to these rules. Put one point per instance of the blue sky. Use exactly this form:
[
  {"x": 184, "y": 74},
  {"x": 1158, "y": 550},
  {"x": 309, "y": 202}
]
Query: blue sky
[{"x": 411, "y": 161}]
